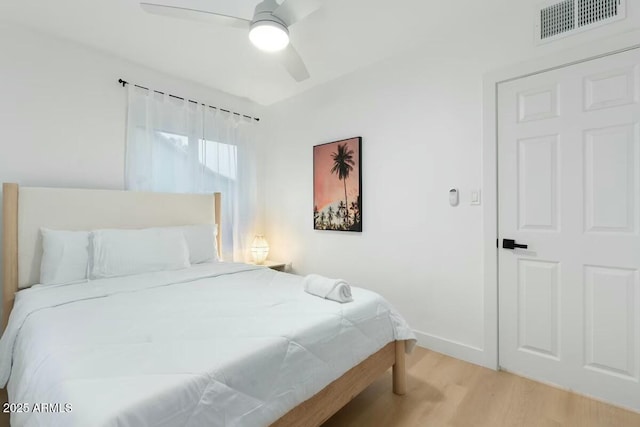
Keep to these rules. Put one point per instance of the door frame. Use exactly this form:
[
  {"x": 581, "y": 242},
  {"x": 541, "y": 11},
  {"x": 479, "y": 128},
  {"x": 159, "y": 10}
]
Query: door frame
[{"x": 592, "y": 50}]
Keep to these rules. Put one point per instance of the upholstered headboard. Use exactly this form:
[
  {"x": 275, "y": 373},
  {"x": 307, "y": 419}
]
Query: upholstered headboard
[{"x": 27, "y": 209}]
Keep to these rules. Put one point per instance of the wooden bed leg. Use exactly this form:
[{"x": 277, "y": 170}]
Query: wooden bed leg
[{"x": 399, "y": 374}]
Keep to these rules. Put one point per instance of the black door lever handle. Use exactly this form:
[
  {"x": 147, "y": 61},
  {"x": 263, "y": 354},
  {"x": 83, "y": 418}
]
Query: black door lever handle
[{"x": 511, "y": 244}]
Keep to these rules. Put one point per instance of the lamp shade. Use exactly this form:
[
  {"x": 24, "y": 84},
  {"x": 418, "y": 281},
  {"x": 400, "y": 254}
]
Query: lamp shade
[
  {"x": 270, "y": 36},
  {"x": 259, "y": 249}
]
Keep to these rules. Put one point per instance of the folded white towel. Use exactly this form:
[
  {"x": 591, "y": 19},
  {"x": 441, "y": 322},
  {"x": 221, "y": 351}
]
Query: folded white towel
[{"x": 323, "y": 287}]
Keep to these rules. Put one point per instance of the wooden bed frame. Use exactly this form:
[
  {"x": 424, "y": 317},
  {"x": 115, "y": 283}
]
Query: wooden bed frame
[{"x": 312, "y": 412}]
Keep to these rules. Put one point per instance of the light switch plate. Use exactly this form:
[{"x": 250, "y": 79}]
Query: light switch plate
[{"x": 475, "y": 197}]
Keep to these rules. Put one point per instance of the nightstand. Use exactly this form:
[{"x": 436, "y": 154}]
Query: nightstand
[{"x": 274, "y": 265}]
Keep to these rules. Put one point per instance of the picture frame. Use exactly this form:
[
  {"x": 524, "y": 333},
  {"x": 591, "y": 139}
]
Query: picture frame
[{"x": 337, "y": 185}]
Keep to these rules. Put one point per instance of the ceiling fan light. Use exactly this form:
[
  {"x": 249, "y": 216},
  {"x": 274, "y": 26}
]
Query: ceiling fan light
[{"x": 269, "y": 36}]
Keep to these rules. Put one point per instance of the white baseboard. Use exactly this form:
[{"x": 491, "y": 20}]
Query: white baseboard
[{"x": 452, "y": 348}]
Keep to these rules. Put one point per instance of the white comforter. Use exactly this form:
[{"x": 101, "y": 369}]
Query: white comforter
[{"x": 214, "y": 345}]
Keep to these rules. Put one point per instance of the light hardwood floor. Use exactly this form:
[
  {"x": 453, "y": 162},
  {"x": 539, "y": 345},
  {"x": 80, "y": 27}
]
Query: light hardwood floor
[{"x": 443, "y": 391}]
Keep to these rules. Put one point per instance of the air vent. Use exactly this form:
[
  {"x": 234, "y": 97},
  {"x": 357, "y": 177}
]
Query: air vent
[
  {"x": 558, "y": 19},
  {"x": 592, "y": 11}
]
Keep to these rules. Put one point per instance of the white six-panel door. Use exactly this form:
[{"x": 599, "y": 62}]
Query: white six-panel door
[{"x": 569, "y": 188}]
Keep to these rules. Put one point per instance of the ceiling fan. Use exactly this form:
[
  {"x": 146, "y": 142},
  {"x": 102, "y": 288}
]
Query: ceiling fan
[{"x": 268, "y": 30}]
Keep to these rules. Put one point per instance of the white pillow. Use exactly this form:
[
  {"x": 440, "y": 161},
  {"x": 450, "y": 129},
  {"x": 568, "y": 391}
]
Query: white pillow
[
  {"x": 65, "y": 256},
  {"x": 126, "y": 252},
  {"x": 201, "y": 240}
]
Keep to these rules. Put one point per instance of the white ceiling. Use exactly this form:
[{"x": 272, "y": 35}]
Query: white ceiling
[{"x": 343, "y": 36}]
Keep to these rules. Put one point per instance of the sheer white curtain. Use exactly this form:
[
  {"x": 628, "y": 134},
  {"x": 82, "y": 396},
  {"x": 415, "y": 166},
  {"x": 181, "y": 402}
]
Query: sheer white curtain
[{"x": 183, "y": 147}]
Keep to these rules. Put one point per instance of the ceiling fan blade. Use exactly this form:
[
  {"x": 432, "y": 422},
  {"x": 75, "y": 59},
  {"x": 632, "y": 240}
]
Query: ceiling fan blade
[
  {"x": 292, "y": 61},
  {"x": 292, "y": 11},
  {"x": 197, "y": 15}
]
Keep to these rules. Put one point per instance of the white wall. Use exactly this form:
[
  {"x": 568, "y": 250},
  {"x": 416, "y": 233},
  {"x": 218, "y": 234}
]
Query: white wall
[
  {"x": 420, "y": 116},
  {"x": 420, "y": 138},
  {"x": 62, "y": 112}
]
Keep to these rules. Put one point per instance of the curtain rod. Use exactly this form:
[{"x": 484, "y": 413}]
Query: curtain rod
[{"x": 124, "y": 83}]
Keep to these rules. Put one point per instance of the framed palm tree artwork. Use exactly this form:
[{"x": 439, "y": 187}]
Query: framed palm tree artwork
[{"x": 337, "y": 185}]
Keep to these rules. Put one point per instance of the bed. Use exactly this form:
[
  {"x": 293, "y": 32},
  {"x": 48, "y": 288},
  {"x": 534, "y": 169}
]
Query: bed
[{"x": 216, "y": 344}]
